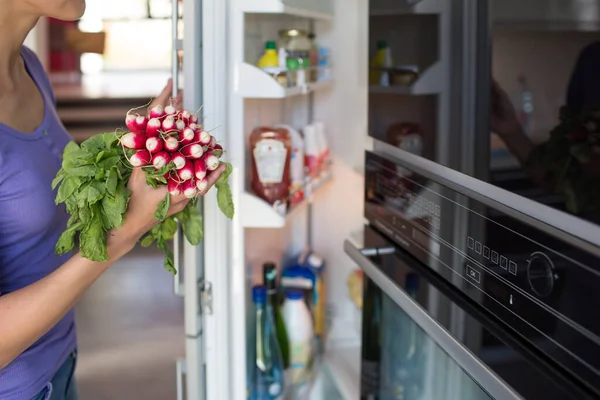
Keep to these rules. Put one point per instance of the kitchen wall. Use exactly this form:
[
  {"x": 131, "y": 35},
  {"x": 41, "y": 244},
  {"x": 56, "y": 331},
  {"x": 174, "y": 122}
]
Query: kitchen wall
[{"x": 546, "y": 59}]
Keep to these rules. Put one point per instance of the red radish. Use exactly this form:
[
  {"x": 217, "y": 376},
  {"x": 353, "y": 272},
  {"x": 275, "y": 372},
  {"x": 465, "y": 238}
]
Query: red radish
[
  {"x": 202, "y": 185},
  {"x": 213, "y": 142},
  {"x": 135, "y": 141},
  {"x": 186, "y": 136},
  {"x": 200, "y": 168},
  {"x": 174, "y": 186},
  {"x": 218, "y": 150},
  {"x": 161, "y": 159},
  {"x": 171, "y": 143},
  {"x": 168, "y": 124},
  {"x": 156, "y": 111},
  {"x": 153, "y": 127},
  {"x": 212, "y": 161},
  {"x": 187, "y": 172},
  {"x": 194, "y": 118},
  {"x": 140, "y": 158},
  {"x": 130, "y": 123},
  {"x": 141, "y": 123},
  {"x": 185, "y": 115},
  {"x": 154, "y": 145},
  {"x": 170, "y": 110},
  {"x": 204, "y": 138},
  {"x": 192, "y": 150},
  {"x": 179, "y": 160},
  {"x": 189, "y": 188},
  {"x": 180, "y": 125}
]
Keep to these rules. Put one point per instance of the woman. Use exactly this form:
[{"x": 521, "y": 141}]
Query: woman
[{"x": 38, "y": 289}]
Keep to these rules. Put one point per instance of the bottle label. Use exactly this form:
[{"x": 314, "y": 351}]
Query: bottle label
[
  {"x": 270, "y": 156},
  {"x": 299, "y": 357}
]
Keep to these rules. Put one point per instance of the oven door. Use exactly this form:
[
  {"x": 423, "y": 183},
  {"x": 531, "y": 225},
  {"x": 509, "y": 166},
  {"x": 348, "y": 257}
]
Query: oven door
[{"x": 423, "y": 339}]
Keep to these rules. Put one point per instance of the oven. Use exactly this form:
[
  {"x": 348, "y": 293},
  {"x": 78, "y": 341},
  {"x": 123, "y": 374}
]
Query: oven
[{"x": 465, "y": 297}]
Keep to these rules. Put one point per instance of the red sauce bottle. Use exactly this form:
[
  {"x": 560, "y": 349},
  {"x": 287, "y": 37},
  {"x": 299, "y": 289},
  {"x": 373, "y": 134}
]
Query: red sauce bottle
[{"x": 271, "y": 150}]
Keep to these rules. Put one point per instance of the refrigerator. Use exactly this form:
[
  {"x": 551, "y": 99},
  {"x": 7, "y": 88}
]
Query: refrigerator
[{"x": 217, "y": 45}]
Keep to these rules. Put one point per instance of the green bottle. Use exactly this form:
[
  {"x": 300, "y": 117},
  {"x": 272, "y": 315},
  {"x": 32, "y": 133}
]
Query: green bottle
[{"x": 270, "y": 280}]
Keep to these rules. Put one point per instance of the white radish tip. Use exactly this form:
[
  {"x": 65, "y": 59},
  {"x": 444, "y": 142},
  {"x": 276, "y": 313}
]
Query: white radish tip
[{"x": 170, "y": 110}]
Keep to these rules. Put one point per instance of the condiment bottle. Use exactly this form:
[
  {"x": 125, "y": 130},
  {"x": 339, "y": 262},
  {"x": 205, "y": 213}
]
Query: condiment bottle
[{"x": 271, "y": 150}]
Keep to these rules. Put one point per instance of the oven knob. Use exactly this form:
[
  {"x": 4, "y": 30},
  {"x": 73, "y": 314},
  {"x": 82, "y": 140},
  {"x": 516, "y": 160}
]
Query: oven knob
[{"x": 541, "y": 274}]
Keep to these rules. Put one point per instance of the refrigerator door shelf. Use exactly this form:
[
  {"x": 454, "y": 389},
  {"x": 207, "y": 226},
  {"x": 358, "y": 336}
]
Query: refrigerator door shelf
[
  {"x": 431, "y": 81},
  {"x": 257, "y": 213},
  {"x": 314, "y": 9},
  {"x": 254, "y": 83},
  {"x": 397, "y": 7}
]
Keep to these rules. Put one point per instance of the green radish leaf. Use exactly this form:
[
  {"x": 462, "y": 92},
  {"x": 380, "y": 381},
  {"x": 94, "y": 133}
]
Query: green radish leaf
[
  {"x": 225, "y": 199},
  {"x": 68, "y": 186},
  {"x": 163, "y": 208},
  {"x": 168, "y": 228},
  {"x": 147, "y": 240},
  {"x": 170, "y": 262},
  {"x": 66, "y": 241},
  {"x": 112, "y": 212},
  {"x": 225, "y": 175},
  {"x": 112, "y": 181},
  {"x": 94, "y": 144},
  {"x": 83, "y": 171},
  {"x": 109, "y": 162},
  {"x": 191, "y": 223},
  {"x": 93, "y": 241},
  {"x": 151, "y": 182},
  {"x": 60, "y": 175},
  {"x": 71, "y": 151},
  {"x": 110, "y": 140}
]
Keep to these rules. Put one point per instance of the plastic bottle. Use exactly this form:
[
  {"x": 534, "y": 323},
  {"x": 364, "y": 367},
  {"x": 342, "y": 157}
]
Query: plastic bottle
[
  {"x": 382, "y": 60},
  {"x": 269, "y": 62},
  {"x": 267, "y": 375},
  {"x": 312, "y": 151},
  {"x": 299, "y": 325},
  {"x": 270, "y": 281},
  {"x": 271, "y": 150},
  {"x": 323, "y": 144}
]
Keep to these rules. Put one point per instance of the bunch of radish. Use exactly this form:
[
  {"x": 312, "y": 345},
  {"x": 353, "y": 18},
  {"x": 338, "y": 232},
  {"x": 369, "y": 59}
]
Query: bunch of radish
[
  {"x": 166, "y": 136},
  {"x": 172, "y": 148}
]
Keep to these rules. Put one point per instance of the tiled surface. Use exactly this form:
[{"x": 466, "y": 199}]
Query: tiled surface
[{"x": 130, "y": 328}]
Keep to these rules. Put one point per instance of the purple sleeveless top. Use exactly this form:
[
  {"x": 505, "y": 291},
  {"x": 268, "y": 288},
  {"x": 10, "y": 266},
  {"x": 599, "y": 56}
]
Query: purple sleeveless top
[{"x": 30, "y": 224}]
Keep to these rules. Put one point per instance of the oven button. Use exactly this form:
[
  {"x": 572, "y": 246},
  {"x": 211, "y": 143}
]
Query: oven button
[{"x": 541, "y": 274}]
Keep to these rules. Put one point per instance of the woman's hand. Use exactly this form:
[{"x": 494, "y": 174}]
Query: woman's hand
[
  {"x": 504, "y": 120},
  {"x": 165, "y": 97}
]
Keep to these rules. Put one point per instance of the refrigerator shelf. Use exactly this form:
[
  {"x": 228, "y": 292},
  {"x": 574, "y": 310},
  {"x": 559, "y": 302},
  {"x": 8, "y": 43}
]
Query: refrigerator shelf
[
  {"x": 429, "y": 82},
  {"x": 257, "y": 213},
  {"x": 314, "y": 9},
  {"x": 254, "y": 83},
  {"x": 384, "y": 8}
]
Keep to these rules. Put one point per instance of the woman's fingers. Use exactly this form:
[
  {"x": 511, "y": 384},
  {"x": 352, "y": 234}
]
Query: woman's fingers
[{"x": 163, "y": 98}]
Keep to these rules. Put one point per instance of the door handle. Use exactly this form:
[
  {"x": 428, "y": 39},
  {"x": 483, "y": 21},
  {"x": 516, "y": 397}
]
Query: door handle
[
  {"x": 178, "y": 287},
  {"x": 176, "y": 46},
  {"x": 181, "y": 371}
]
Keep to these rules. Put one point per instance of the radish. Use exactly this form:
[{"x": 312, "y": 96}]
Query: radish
[
  {"x": 179, "y": 160},
  {"x": 135, "y": 141},
  {"x": 171, "y": 143},
  {"x": 186, "y": 136},
  {"x": 154, "y": 145},
  {"x": 168, "y": 124},
  {"x": 203, "y": 138},
  {"x": 213, "y": 142},
  {"x": 202, "y": 185},
  {"x": 193, "y": 126},
  {"x": 140, "y": 158},
  {"x": 180, "y": 125},
  {"x": 130, "y": 123},
  {"x": 200, "y": 169},
  {"x": 218, "y": 150},
  {"x": 212, "y": 161},
  {"x": 174, "y": 186},
  {"x": 153, "y": 127},
  {"x": 141, "y": 123},
  {"x": 170, "y": 110},
  {"x": 189, "y": 188},
  {"x": 185, "y": 115},
  {"x": 161, "y": 159},
  {"x": 156, "y": 111},
  {"x": 192, "y": 150},
  {"x": 194, "y": 118},
  {"x": 187, "y": 172}
]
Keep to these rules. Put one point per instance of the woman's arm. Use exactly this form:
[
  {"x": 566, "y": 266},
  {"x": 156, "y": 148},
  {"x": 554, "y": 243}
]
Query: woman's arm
[{"x": 28, "y": 313}]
